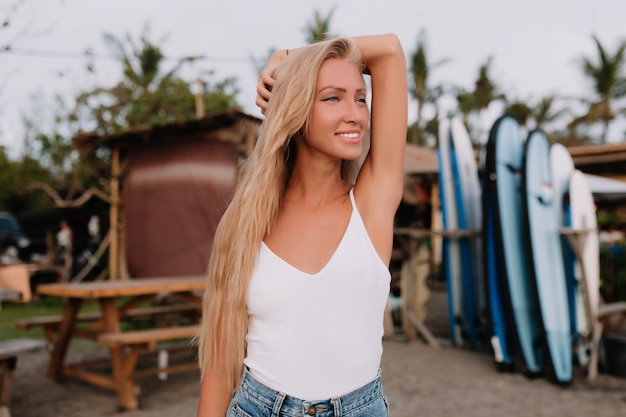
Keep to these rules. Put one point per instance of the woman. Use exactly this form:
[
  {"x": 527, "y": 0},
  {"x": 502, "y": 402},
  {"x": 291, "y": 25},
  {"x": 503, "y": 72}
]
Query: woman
[{"x": 298, "y": 278}]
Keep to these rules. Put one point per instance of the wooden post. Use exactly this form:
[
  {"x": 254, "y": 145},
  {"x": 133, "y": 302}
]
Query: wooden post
[
  {"x": 114, "y": 215},
  {"x": 435, "y": 224},
  {"x": 198, "y": 97}
]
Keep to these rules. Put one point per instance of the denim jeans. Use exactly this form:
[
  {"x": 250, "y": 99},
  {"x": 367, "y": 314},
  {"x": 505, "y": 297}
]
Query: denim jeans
[{"x": 253, "y": 399}]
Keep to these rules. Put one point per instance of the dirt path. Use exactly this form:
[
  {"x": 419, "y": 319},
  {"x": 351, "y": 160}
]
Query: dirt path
[{"x": 419, "y": 381}]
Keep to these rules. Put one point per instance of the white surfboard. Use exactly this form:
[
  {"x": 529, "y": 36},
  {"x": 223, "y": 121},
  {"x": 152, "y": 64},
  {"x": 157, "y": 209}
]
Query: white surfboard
[
  {"x": 583, "y": 217},
  {"x": 562, "y": 167}
]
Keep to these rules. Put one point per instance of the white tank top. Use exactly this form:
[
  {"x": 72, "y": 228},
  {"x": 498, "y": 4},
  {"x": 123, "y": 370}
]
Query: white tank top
[{"x": 318, "y": 336}]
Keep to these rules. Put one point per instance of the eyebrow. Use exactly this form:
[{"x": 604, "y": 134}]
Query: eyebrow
[{"x": 332, "y": 87}]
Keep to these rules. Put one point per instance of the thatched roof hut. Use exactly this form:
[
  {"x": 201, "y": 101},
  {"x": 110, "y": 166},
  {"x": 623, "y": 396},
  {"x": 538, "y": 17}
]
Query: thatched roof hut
[{"x": 169, "y": 186}]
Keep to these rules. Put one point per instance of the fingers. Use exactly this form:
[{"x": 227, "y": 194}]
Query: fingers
[
  {"x": 264, "y": 87},
  {"x": 262, "y": 103},
  {"x": 266, "y": 81}
]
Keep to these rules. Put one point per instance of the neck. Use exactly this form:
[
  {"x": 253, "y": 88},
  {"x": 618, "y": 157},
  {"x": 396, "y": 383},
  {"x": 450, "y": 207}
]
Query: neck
[{"x": 315, "y": 183}]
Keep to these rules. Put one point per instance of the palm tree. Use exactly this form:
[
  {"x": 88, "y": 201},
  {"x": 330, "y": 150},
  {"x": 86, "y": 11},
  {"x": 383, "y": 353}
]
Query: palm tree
[
  {"x": 520, "y": 111},
  {"x": 316, "y": 31},
  {"x": 465, "y": 105},
  {"x": 606, "y": 73},
  {"x": 319, "y": 29},
  {"x": 420, "y": 70},
  {"x": 544, "y": 111},
  {"x": 149, "y": 92},
  {"x": 485, "y": 90},
  {"x": 143, "y": 65},
  {"x": 541, "y": 113}
]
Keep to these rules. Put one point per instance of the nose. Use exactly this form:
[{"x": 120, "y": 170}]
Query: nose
[{"x": 355, "y": 112}]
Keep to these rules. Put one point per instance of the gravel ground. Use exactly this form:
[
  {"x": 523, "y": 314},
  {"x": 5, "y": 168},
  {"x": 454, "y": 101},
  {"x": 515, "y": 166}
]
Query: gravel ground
[{"x": 418, "y": 380}]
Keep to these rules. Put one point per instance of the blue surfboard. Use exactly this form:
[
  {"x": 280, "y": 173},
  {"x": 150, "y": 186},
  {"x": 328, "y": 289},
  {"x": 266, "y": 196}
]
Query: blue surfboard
[
  {"x": 514, "y": 276},
  {"x": 500, "y": 331},
  {"x": 469, "y": 206},
  {"x": 452, "y": 252},
  {"x": 546, "y": 266}
]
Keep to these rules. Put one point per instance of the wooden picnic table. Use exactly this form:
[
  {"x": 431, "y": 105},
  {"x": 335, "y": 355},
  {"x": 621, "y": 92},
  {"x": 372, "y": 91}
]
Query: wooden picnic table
[{"x": 116, "y": 300}]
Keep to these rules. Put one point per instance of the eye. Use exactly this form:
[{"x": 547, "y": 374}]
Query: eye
[
  {"x": 361, "y": 100},
  {"x": 332, "y": 99}
]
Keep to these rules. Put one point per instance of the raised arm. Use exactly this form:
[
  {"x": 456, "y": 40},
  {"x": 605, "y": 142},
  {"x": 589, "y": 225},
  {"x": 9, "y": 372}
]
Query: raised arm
[
  {"x": 378, "y": 189},
  {"x": 385, "y": 63},
  {"x": 379, "y": 184}
]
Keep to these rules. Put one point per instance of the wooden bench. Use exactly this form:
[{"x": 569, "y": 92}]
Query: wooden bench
[
  {"x": 51, "y": 324},
  {"x": 9, "y": 351},
  {"x": 147, "y": 338},
  {"x": 125, "y": 349}
]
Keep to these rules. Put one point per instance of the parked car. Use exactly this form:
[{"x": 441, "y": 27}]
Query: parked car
[{"x": 14, "y": 245}]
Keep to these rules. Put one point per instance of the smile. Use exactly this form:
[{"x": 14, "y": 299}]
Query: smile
[{"x": 348, "y": 135}]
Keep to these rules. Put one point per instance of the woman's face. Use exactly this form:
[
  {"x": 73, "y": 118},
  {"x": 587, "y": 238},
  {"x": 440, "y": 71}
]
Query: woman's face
[{"x": 339, "y": 117}]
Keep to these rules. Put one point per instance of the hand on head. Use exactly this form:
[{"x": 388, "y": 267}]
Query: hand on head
[{"x": 266, "y": 79}]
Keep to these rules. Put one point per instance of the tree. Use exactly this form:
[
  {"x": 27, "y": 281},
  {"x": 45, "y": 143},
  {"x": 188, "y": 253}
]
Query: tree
[
  {"x": 148, "y": 93},
  {"x": 606, "y": 74},
  {"x": 520, "y": 111},
  {"x": 420, "y": 70},
  {"x": 475, "y": 101},
  {"x": 544, "y": 111},
  {"x": 319, "y": 29},
  {"x": 13, "y": 27},
  {"x": 465, "y": 103},
  {"x": 485, "y": 90},
  {"x": 15, "y": 177}
]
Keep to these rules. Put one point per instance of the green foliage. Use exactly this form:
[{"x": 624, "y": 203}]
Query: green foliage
[
  {"x": 14, "y": 311},
  {"x": 149, "y": 92},
  {"x": 485, "y": 90},
  {"x": 15, "y": 178},
  {"x": 613, "y": 272},
  {"x": 606, "y": 74},
  {"x": 421, "y": 90},
  {"x": 319, "y": 29},
  {"x": 519, "y": 111}
]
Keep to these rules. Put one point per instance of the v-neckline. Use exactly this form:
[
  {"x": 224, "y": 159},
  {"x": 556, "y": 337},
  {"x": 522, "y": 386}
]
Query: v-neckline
[{"x": 328, "y": 262}]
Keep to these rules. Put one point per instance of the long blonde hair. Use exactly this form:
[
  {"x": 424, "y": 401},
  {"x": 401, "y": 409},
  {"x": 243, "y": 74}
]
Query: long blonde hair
[{"x": 255, "y": 205}]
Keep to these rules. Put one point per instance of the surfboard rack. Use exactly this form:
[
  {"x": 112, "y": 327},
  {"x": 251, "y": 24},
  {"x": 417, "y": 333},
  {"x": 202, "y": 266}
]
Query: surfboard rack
[
  {"x": 426, "y": 233},
  {"x": 417, "y": 237},
  {"x": 576, "y": 239}
]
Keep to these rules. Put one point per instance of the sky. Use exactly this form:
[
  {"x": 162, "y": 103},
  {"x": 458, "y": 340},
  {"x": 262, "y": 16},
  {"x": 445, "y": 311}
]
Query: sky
[{"x": 536, "y": 45}]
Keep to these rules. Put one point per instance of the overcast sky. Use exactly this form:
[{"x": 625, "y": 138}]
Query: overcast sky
[{"x": 535, "y": 44}]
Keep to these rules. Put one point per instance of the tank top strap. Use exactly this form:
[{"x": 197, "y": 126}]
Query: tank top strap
[{"x": 352, "y": 199}]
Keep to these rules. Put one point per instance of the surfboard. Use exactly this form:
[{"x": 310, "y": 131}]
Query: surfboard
[
  {"x": 468, "y": 193},
  {"x": 498, "y": 328},
  {"x": 506, "y": 146},
  {"x": 582, "y": 216},
  {"x": 547, "y": 272},
  {"x": 452, "y": 258},
  {"x": 562, "y": 167}
]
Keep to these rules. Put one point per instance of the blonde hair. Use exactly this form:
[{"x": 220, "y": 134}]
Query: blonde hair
[{"x": 255, "y": 205}]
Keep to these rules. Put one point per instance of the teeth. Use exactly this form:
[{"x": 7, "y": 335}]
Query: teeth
[{"x": 349, "y": 135}]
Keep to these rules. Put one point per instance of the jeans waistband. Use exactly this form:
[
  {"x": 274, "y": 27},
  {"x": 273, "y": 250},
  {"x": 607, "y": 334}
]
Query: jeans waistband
[{"x": 337, "y": 406}]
